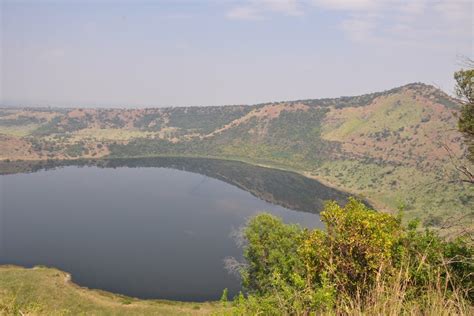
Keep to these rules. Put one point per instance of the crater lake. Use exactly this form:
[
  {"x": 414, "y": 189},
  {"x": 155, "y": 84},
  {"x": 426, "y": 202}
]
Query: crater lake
[{"x": 150, "y": 227}]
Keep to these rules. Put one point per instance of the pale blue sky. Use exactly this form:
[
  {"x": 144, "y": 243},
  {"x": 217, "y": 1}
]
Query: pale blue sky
[{"x": 176, "y": 53}]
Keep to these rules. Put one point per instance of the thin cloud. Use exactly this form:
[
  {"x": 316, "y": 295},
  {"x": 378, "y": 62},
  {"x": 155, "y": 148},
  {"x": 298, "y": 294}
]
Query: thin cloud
[
  {"x": 260, "y": 9},
  {"x": 244, "y": 13},
  {"x": 414, "y": 22},
  {"x": 287, "y": 7},
  {"x": 400, "y": 19},
  {"x": 347, "y": 5}
]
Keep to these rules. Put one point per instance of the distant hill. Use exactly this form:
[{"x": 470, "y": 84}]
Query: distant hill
[{"x": 386, "y": 146}]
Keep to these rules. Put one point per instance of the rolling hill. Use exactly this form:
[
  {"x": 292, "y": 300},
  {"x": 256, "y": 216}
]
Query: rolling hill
[{"x": 388, "y": 147}]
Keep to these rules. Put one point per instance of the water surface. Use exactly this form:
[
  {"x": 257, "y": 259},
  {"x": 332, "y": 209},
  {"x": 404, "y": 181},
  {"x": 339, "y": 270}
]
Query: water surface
[{"x": 156, "y": 228}]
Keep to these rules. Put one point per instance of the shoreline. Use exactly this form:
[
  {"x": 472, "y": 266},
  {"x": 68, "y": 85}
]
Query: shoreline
[
  {"x": 374, "y": 203},
  {"x": 54, "y": 290}
]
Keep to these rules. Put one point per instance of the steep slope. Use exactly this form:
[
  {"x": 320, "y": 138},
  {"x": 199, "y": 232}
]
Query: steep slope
[{"x": 388, "y": 147}]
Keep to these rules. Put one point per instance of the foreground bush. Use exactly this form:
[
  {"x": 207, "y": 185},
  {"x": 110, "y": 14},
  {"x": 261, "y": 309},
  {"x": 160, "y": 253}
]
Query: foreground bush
[{"x": 365, "y": 262}]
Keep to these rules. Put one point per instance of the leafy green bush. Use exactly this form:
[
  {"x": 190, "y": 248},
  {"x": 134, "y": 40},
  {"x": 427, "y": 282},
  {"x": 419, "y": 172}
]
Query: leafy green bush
[
  {"x": 357, "y": 244},
  {"x": 271, "y": 251}
]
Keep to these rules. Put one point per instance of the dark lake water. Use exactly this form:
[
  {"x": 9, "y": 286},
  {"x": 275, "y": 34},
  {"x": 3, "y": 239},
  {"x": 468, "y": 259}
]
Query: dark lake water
[{"x": 149, "y": 228}]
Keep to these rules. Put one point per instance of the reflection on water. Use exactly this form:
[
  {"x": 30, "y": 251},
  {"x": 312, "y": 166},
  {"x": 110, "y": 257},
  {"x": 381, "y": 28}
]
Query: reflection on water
[
  {"x": 160, "y": 228},
  {"x": 284, "y": 188}
]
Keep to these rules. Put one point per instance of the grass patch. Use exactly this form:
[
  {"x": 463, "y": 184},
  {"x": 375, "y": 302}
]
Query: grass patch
[
  {"x": 18, "y": 130},
  {"x": 48, "y": 291},
  {"x": 110, "y": 134}
]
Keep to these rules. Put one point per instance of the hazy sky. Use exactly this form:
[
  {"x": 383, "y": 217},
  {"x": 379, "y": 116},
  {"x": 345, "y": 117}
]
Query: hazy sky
[{"x": 168, "y": 53}]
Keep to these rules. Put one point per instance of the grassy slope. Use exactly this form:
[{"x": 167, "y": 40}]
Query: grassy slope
[
  {"x": 399, "y": 140},
  {"x": 386, "y": 146},
  {"x": 47, "y": 291}
]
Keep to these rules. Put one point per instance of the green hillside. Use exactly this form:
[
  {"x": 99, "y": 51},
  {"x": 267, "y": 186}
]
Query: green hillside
[{"x": 388, "y": 147}]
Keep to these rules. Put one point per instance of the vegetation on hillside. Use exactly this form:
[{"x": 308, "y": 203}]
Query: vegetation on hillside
[
  {"x": 364, "y": 262},
  {"x": 387, "y": 147}
]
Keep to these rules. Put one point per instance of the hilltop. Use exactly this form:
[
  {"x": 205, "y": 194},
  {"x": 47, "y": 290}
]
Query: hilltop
[{"x": 387, "y": 146}]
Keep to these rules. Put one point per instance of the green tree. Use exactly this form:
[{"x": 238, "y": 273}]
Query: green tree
[
  {"x": 271, "y": 250},
  {"x": 465, "y": 90}
]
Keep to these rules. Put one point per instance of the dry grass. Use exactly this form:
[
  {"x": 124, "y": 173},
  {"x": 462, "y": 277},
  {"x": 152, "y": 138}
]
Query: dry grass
[{"x": 395, "y": 298}]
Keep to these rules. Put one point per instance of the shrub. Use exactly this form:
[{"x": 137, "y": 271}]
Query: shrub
[
  {"x": 271, "y": 253},
  {"x": 355, "y": 248}
]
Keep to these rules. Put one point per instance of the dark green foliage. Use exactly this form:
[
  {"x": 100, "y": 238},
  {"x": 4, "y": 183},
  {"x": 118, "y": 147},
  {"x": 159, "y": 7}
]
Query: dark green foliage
[
  {"x": 465, "y": 90},
  {"x": 74, "y": 124},
  {"x": 466, "y": 125},
  {"x": 272, "y": 249},
  {"x": 205, "y": 119},
  {"x": 64, "y": 123},
  {"x": 295, "y": 129},
  {"x": 446, "y": 101},
  {"x": 108, "y": 119},
  {"x": 48, "y": 146},
  {"x": 150, "y": 122},
  {"x": 76, "y": 150},
  {"x": 51, "y": 127},
  {"x": 142, "y": 147},
  {"x": 427, "y": 256},
  {"x": 300, "y": 132},
  {"x": 61, "y": 125}
]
